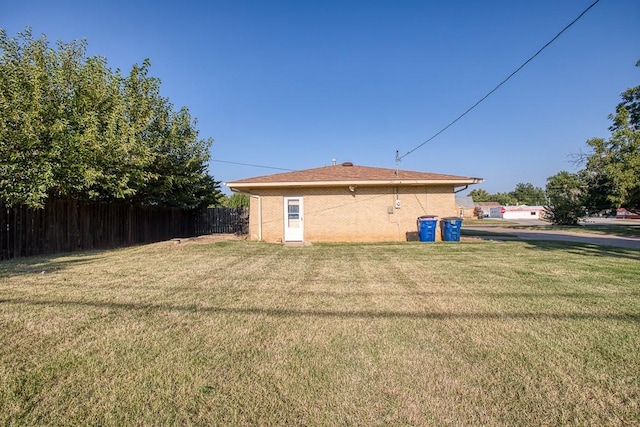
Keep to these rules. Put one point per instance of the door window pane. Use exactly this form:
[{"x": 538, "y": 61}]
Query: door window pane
[{"x": 293, "y": 210}]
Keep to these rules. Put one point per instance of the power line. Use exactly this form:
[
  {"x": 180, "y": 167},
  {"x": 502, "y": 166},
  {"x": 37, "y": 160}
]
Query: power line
[
  {"x": 249, "y": 164},
  {"x": 501, "y": 83}
]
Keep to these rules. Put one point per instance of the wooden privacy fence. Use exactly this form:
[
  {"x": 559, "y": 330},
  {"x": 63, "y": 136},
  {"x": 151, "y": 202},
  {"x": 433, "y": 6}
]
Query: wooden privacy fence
[
  {"x": 222, "y": 220},
  {"x": 70, "y": 225}
]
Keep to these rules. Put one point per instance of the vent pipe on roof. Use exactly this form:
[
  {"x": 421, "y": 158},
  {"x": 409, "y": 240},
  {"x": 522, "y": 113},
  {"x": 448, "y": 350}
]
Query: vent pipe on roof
[{"x": 334, "y": 160}]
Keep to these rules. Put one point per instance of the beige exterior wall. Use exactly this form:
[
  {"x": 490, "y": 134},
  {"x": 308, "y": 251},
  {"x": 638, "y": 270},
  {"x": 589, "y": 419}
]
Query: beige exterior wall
[
  {"x": 338, "y": 215},
  {"x": 465, "y": 212}
]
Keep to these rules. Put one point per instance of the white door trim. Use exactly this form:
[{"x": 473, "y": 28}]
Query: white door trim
[{"x": 293, "y": 221}]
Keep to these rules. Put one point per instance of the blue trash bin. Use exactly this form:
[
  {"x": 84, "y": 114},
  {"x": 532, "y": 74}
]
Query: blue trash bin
[
  {"x": 427, "y": 226},
  {"x": 451, "y": 229}
]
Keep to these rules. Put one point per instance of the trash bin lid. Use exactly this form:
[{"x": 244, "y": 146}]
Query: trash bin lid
[{"x": 428, "y": 217}]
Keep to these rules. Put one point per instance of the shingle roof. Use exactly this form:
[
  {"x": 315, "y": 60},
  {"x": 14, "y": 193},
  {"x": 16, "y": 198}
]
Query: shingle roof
[
  {"x": 348, "y": 173},
  {"x": 465, "y": 202}
]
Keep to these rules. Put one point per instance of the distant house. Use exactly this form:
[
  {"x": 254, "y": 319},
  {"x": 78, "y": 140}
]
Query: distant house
[
  {"x": 523, "y": 212},
  {"x": 346, "y": 202},
  {"x": 465, "y": 206},
  {"x": 490, "y": 209},
  {"x": 622, "y": 213}
]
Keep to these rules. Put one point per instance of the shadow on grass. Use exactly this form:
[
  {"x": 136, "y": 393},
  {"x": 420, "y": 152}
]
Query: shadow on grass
[
  {"x": 616, "y": 230},
  {"x": 488, "y": 234},
  {"x": 338, "y": 314},
  {"x": 584, "y": 249},
  {"x": 596, "y": 245}
]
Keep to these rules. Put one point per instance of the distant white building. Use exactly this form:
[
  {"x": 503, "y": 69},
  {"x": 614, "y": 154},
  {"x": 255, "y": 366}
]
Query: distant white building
[{"x": 522, "y": 212}]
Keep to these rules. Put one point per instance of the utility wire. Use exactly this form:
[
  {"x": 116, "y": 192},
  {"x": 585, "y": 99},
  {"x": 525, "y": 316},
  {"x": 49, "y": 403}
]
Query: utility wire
[
  {"x": 248, "y": 164},
  {"x": 501, "y": 83}
]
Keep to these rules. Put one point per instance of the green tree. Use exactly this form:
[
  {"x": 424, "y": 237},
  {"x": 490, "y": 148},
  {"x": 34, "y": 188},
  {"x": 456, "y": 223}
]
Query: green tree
[
  {"x": 178, "y": 174},
  {"x": 600, "y": 187},
  {"x": 613, "y": 168},
  {"x": 480, "y": 195},
  {"x": 527, "y": 194},
  {"x": 505, "y": 199},
  {"x": 71, "y": 127},
  {"x": 523, "y": 194},
  {"x": 566, "y": 199},
  {"x": 236, "y": 200},
  {"x": 26, "y": 174}
]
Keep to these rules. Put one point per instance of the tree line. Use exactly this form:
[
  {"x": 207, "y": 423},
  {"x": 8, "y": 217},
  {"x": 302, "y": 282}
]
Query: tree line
[
  {"x": 609, "y": 177},
  {"x": 70, "y": 126},
  {"x": 610, "y": 173},
  {"x": 523, "y": 194}
]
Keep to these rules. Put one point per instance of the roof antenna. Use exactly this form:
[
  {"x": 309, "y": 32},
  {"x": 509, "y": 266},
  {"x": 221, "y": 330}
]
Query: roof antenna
[{"x": 397, "y": 161}]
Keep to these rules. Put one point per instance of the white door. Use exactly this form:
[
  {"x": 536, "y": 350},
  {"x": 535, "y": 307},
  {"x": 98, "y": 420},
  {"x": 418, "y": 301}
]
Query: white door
[{"x": 293, "y": 219}]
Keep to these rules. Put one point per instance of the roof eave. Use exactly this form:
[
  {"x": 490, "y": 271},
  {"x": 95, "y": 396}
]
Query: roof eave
[{"x": 377, "y": 183}]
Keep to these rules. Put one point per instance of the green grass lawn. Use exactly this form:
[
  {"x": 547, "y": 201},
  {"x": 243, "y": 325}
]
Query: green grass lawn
[{"x": 246, "y": 333}]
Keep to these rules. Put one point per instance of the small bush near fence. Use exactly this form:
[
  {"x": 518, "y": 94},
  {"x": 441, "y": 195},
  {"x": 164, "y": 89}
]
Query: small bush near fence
[{"x": 69, "y": 225}]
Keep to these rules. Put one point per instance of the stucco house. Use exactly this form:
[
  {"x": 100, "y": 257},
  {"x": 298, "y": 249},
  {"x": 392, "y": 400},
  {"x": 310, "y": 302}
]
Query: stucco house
[
  {"x": 466, "y": 207},
  {"x": 346, "y": 203}
]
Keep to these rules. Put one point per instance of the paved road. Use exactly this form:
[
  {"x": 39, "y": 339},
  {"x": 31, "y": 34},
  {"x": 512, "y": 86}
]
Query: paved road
[{"x": 567, "y": 236}]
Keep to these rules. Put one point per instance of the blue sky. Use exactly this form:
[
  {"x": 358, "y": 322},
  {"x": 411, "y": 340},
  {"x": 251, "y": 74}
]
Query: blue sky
[{"x": 294, "y": 84}]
